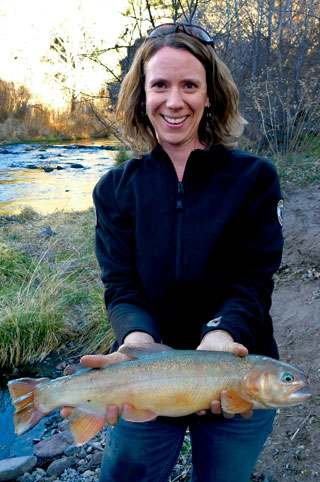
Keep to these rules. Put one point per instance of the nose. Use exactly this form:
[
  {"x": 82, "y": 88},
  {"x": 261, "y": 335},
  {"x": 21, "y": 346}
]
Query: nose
[{"x": 174, "y": 99}]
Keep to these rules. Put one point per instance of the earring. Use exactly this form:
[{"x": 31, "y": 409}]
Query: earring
[{"x": 208, "y": 113}]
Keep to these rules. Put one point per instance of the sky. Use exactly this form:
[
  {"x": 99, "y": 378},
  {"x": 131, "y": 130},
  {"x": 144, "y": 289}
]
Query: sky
[{"x": 26, "y": 27}]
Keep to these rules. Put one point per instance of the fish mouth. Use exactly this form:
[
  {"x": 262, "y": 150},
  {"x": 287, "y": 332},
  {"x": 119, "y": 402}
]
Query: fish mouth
[
  {"x": 299, "y": 397},
  {"x": 293, "y": 395}
]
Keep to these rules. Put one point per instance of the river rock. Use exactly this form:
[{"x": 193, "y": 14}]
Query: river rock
[
  {"x": 54, "y": 445},
  {"x": 58, "y": 466},
  {"x": 87, "y": 474},
  {"x": 48, "y": 169},
  {"x": 77, "y": 166},
  {"x": 72, "y": 450},
  {"x": 112, "y": 148},
  {"x": 96, "y": 460},
  {"x": 48, "y": 232},
  {"x": 64, "y": 425},
  {"x": 12, "y": 468}
]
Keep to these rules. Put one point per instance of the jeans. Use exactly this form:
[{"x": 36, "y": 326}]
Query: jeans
[{"x": 223, "y": 451}]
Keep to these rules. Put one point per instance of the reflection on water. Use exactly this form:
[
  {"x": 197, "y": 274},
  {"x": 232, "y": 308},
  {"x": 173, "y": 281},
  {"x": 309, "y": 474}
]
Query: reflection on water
[{"x": 49, "y": 178}]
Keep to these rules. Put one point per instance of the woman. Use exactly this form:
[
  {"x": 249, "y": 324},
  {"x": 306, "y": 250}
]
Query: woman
[{"x": 188, "y": 239}]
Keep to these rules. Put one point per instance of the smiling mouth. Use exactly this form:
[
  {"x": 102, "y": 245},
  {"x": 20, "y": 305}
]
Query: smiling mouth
[{"x": 172, "y": 120}]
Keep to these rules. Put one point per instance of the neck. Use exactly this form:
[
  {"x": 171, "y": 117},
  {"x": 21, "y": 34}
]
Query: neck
[
  {"x": 179, "y": 156},
  {"x": 179, "y": 161}
]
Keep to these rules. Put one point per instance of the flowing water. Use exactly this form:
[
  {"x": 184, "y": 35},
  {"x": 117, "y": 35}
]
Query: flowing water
[
  {"x": 10, "y": 444},
  {"x": 46, "y": 178},
  {"x": 52, "y": 177}
]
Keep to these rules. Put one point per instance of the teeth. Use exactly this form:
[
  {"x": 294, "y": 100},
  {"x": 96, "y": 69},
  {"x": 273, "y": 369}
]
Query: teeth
[{"x": 174, "y": 121}]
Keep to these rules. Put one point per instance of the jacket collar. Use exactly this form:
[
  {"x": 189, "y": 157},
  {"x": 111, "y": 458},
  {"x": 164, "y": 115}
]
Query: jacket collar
[{"x": 200, "y": 160}]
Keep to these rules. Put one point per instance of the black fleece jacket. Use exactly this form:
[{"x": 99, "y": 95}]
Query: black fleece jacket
[{"x": 180, "y": 259}]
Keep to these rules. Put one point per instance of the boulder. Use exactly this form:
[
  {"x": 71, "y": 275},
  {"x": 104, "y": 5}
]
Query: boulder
[
  {"x": 77, "y": 166},
  {"x": 54, "y": 445},
  {"x": 11, "y": 469},
  {"x": 58, "y": 466}
]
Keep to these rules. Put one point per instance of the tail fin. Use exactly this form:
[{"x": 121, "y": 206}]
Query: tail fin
[{"x": 27, "y": 415}]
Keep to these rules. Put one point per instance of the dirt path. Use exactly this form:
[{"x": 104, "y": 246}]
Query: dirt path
[{"x": 293, "y": 451}]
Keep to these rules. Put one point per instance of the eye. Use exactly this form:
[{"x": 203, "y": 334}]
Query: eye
[
  {"x": 287, "y": 377},
  {"x": 159, "y": 85},
  {"x": 190, "y": 85}
]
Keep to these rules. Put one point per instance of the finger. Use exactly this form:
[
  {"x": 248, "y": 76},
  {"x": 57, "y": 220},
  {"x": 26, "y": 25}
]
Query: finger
[
  {"x": 215, "y": 407},
  {"x": 201, "y": 412},
  {"x": 228, "y": 415},
  {"x": 247, "y": 414},
  {"x": 112, "y": 415},
  {"x": 99, "y": 361},
  {"x": 237, "y": 349},
  {"x": 66, "y": 412}
]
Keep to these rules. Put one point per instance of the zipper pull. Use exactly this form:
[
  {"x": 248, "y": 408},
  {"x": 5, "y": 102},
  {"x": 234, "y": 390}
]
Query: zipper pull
[{"x": 180, "y": 196}]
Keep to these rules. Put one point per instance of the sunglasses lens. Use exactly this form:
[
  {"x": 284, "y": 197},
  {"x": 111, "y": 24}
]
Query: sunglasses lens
[
  {"x": 189, "y": 29},
  {"x": 198, "y": 33},
  {"x": 164, "y": 29}
]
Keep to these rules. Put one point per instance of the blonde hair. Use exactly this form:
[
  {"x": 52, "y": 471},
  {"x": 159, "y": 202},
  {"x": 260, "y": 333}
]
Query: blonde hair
[{"x": 219, "y": 124}]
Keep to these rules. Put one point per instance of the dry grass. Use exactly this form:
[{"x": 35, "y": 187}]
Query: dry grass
[{"x": 50, "y": 287}]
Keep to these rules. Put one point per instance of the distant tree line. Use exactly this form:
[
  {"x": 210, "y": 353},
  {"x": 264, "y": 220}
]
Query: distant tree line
[
  {"x": 272, "y": 48},
  {"x": 21, "y": 118}
]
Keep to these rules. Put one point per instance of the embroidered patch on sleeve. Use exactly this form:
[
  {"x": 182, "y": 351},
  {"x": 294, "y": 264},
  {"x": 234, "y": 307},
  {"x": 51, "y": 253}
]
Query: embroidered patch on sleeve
[
  {"x": 280, "y": 212},
  {"x": 215, "y": 322}
]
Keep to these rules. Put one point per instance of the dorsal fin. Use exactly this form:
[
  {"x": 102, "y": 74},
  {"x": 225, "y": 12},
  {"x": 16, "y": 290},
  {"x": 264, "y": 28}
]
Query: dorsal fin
[{"x": 143, "y": 350}]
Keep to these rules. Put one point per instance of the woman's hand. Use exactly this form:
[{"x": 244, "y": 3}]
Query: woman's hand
[
  {"x": 99, "y": 361},
  {"x": 222, "y": 341}
]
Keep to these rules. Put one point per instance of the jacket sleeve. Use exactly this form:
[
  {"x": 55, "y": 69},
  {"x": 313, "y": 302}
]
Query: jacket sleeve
[
  {"x": 244, "y": 311},
  {"x": 128, "y": 310}
]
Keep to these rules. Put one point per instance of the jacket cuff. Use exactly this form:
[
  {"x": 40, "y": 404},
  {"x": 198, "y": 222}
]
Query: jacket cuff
[
  {"x": 126, "y": 318},
  {"x": 234, "y": 325}
]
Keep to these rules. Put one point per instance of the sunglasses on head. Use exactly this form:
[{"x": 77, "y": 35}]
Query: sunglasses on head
[{"x": 188, "y": 28}]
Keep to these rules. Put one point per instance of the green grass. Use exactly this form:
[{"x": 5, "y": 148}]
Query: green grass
[
  {"x": 50, "y": 290},
  {"x": 122, "y": 156},
  {"x": 299, "y": 170}
]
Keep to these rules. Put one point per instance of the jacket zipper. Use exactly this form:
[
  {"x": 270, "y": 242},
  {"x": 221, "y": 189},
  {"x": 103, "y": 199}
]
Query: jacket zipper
[{"x": 179, "y": 239}]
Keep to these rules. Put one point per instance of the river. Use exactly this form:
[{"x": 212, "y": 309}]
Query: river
[{"x": 49, "y": 177}]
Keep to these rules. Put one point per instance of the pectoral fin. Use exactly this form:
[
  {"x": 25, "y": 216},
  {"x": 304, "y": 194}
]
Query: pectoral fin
[
  {"x": 233, "y": 403},
  {"x": 84, "y": 425},
  {"x": 132, "y": 414}
]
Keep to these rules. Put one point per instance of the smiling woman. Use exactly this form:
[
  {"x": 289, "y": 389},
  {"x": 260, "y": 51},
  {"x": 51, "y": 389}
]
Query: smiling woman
[
  {"x": 166, "y": 227},
  {"x": 175, "y": 100},
  {"x": 222, "y": 121}
]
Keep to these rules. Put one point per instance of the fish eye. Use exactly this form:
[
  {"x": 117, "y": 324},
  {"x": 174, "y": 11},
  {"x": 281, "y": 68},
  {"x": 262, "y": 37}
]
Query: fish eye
[{"x": 287, "y": 377}]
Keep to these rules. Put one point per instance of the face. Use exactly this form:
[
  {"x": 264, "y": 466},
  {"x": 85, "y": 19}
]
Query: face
[{"x": 176, "y": 95}]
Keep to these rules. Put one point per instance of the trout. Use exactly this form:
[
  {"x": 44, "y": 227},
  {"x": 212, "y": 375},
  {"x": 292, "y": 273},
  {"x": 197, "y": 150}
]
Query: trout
[{"x": 170, "y": 383}]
